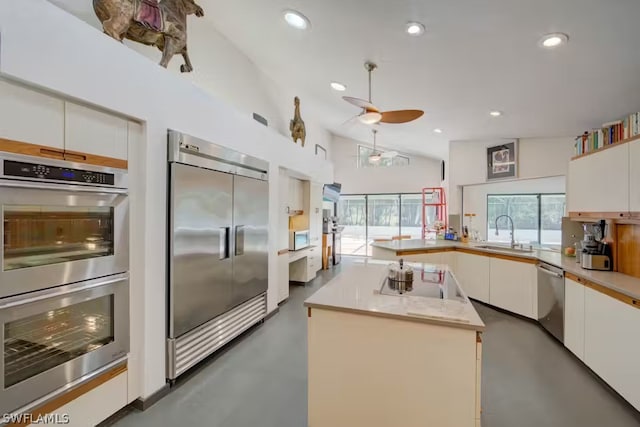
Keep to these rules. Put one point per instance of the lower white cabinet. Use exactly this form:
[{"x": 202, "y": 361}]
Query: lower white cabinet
[
  {"x": 283, "y": 277},
  {"x": 434, "y": 258},
  {"x": 574, "y": 317},
  {"x": 513, "y": 286},
  {"x": 473, "y": 273},
  {"x": 611, "y": 344},
  {"x": 306, "y": 266}
]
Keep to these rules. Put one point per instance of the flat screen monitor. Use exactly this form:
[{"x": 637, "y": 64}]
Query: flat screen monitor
[{"x": 332, "y": 192}]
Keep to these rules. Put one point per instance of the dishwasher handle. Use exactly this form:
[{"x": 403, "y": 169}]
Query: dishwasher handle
[{"x": 549, "y": 272}]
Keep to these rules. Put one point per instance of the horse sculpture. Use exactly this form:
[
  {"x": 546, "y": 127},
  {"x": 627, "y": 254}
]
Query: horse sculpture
[{"x": 161, "y": 24}]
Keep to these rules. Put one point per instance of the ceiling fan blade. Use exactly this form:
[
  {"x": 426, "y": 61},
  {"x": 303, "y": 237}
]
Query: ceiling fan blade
[
  {"x": 361, "y": 103},
  {"x": 350, "y": 122},
  {"x": 389, "y": 154},
  {"x": 401, "y": 116}
]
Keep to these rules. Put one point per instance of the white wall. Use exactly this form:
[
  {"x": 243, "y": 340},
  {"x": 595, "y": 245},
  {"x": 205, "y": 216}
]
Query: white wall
[
  {"x": 45, "y": 47},
  {"x": 537, "y": 158},
  {"x": 421, "y": 172},
  {"x": 221, "y": 69},
  {"x": 475, "y": 196}
]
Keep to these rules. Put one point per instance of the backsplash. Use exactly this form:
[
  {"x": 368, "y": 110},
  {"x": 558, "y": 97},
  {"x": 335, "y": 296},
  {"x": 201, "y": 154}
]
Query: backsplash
[{"x": 628, "y": 249}]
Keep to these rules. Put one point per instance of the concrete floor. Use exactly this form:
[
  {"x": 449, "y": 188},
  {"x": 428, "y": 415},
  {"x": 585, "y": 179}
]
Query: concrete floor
[{"x": 529, "y": 379}]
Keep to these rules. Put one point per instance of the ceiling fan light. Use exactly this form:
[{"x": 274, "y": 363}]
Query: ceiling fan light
[
  {"x": 375, "y": 158},
  {"x": 370, "y": 118}
]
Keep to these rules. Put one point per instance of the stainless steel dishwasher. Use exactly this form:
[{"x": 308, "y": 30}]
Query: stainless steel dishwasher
[{"x": 551, "y": 299}]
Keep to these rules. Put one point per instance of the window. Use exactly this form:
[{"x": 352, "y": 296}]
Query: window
[
  {"x": 381, "y": 216},
  {"x": 537, "y": 218},
  {"x": 363, "y": 159}
]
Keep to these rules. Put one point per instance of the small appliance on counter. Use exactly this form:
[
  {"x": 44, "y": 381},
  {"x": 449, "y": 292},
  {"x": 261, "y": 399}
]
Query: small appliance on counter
[
  {"x": 299, "y": 240},
  {"x": 596, "y": 253}
]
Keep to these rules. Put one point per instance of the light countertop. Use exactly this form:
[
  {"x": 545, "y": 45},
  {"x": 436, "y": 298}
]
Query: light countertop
[
  {"x": 622, "y": 283},
  {"x": 356, "y": 290}
]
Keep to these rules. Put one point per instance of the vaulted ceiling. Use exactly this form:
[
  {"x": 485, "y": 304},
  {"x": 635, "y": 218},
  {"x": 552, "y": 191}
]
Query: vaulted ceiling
[{"x": 476, "y": 56}]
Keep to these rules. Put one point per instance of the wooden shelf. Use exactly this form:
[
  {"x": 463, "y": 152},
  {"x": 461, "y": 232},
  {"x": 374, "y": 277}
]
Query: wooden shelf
[{"x": 606, "y": 147}]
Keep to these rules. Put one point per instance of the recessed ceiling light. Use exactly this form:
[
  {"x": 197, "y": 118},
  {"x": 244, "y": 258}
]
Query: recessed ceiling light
[
  {"x": 550, "y": 41},
  {"x": 495, "y": 113},
  {"x": 296, "y": 19},
  {"x": 415, "y": 28},
  {"x": 437, "y": 130},
  {"x": 338, "y": 86}
]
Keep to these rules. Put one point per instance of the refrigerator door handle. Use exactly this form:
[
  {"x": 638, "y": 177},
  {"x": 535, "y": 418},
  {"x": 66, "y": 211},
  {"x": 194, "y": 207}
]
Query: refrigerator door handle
[
  {"x": 224, "y": 242},
  {"x": 239, "y": 240}
]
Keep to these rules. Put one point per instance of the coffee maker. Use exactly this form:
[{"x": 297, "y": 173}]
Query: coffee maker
[{"x": 596, "y": 253}]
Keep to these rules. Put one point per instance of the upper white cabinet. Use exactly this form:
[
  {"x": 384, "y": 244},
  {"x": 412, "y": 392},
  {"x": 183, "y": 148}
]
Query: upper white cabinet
[
  {"x": 574, "y": 317},
  {"x": 600, "y": 182},
  {"x": 94, "y": 132},
  {"x": 612, "y": 347},
  {"x": 296, "y": 195},
  {"x": 31, "y": 117},
  {"x": 634, "y": 181},
  {"x": 513, "y": 286},
  {"x": 473, "y": 274}
]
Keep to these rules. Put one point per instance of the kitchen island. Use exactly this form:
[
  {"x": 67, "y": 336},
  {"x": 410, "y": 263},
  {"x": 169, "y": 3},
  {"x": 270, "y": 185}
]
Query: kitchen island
[{"x": 380, "y": 359}]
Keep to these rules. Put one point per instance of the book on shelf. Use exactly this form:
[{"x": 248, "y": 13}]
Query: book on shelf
[{"x": 610, "y": 133}]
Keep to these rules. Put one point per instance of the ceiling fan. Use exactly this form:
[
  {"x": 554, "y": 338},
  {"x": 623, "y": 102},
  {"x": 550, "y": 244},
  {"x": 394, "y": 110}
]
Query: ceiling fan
[
  {"x": 377, "y": 156},
  {"x": 372, "y": 115}
]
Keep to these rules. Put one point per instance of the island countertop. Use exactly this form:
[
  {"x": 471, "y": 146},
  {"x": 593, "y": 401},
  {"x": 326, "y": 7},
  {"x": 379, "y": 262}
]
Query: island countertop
[
  {"x": 618, "y": 282},
  {"x": 356, "y": 290}
]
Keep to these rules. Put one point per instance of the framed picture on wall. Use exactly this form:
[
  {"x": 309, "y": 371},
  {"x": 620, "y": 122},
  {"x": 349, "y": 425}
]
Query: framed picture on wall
[{"x": 502, "y": 161}]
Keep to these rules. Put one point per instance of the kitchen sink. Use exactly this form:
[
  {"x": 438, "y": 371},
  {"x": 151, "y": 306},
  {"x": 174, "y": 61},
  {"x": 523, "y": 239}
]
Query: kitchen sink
[{"x": 506, "y": 248}]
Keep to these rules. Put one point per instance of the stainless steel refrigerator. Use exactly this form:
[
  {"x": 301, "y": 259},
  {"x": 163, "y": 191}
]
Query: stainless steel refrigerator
[{"x": 218, "y": 238}]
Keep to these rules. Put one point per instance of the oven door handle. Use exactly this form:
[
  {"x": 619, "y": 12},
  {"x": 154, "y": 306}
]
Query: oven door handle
[
  {"x": 60, "y": 291},
  {"x": 62, "y": 187}
]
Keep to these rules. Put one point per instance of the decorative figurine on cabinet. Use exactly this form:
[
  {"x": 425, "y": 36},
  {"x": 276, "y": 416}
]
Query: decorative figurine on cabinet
[
  {"x": 163, "y": 24},
  {"x": 297, "y": 128}
]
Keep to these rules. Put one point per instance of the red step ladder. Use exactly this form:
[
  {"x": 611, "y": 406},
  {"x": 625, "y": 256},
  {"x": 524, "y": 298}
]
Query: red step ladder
[{"x": 434, "y": 197}]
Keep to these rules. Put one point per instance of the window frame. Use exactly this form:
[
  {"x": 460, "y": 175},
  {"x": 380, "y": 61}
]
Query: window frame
[
  {"x": 359, "y": 160},
  {"x": 366, "y": 211},
  {"x": 537, "y": 195}
]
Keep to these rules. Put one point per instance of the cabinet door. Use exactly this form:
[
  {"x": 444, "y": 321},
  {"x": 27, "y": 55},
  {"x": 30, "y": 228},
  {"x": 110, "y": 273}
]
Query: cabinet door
[
  {"x": 432, "y": 258},
  {"x": 94, "y": 132},
  {"x": 31, "y": 117},
  {"x": 473, "y": 273},
  {"x": 634, "y": 182},
  {"x": 283, "y": 277},
  {"x": 611, "y": 346},
  {"x": 574, "y": 317},
  {"x": 600, "y": 182},
  {"x": 512, "y": 286}
]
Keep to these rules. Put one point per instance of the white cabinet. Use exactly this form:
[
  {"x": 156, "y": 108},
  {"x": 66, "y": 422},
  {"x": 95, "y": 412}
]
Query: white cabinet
[
  {"x": 304, "y": 265},
  {"x": 513, "y": 286},
  {"x": 600, "y": 182},
  {"x": 429, "y": 258},
  {"x": 95, "y": 406},
  {"x": 634, "y": 181},
  {"x": 574, "y": 317},
  {"x": 283, "y": 277},
  {"x": 31, "y": 117},
  {"x": 296, "y": 194},
  {"x": 611, "y": 344},
  {"x": 315, "y": 213},
  {"x": 94, "y": 132},
  {"x": 473, "y": 274}
]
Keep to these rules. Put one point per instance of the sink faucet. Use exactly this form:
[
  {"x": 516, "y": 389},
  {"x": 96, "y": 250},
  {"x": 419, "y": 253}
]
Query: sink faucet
[{"x": 513, "y": 241}]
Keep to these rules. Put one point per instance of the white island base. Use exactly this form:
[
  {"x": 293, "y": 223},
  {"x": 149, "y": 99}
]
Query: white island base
[{"x": 379, "y": 370}]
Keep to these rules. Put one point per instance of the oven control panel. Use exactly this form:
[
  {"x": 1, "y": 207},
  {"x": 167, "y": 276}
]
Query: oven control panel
[{"x": 34, "y": 170}]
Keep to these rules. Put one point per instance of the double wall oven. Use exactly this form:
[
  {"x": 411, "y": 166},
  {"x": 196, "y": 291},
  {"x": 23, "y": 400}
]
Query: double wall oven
[{"x": 64, "y": 287}]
